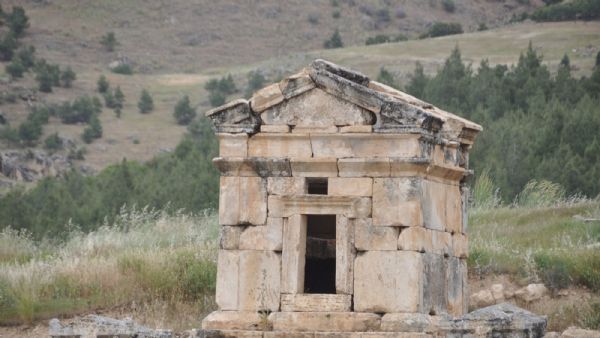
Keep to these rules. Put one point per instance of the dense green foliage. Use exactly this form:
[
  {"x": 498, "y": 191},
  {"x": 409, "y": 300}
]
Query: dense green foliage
[
  {"x": 256, "y": 81},
  {"x": 93, "y": 130},
  {"x": 67, "y": 77},
  {"x": 382, "y": 38},
  {"x": 145, "y": 104},
  {"x": 183, "y": 112},
  {"x": 184, "y": 179},
  {"x": 442, "y": 29},
  {"x": 102, "y": 84},
  {"x": 568, "y": 10},
  {"x": 219, "y": 89},
  {"x": 386, "y": 78},
  {"x": 335, "y": 41},
  {"x": 536, "y": 125}
]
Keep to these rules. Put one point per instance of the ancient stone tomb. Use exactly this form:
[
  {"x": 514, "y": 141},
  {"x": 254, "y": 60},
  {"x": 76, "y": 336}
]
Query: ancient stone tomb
[{"x": 342, "y": 207}]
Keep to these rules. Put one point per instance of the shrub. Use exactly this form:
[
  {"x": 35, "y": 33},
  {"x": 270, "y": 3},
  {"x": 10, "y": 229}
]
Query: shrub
[
  {"x": 313, "y": 19},
  {"x": 571, "y": 10},
  {"x": 30, "y": 131},
  {"x": 184, "y": 113},
  {"x": 255, "y": 82},
  {"x": 400, "y": 13},
  {"x": 109, "y": 41},
  {"x": 442, "y": 29},
  {"x": 93, "y": 130},
  {"x": 53, "y": 142},
  {"x": 217, "y": 98},
  {"x": 598, "y": 59},
  {"x": 227, "y": 85},
  {"x": 15, "y": 68},
  {"x": 553, "y": 271},
  {"x": 377, "y": 39},
  {"x": 17, "y": 21},
  {"x": 9, "y": 134},
  {"x": 336, "y": 14},
  {"x": 8, "y": 44},
  {"x": 386, "y": 78},
  {"x": 44, "y": 79},
  {"x": 109, "y": 99},
  {"x": 335, "y": 41},
  {"x": 39, "y": 115},
  {"x": 119, "y": 99},
  {"x": 383, "y": 15},
  {"x": 81, "y": 110},
  {"x": 482, "y": 27},
  {"x": 145, "y": 104},
  {"x": 449, "y": 6},
  {"x": 123, "y": 68},
  {"x": 27, "y": 56},
  {"x": 102, "y": 84},
  {"x": 67, "y": 77}
]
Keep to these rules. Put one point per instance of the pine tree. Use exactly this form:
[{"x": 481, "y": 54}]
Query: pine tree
[
  {"x": 335, "y": 41},
  {"x": 145, "y": 104},
  {"x": 102, "y": 84},
  {"x": 15, "y": 69},
  {"x": 44, "y": 79},
  {"x": 8, "y": 44},
  {"x": 418, "y": 81},
  {"x": 67, "y": 77},
  {"x": 109, "y": 41},
  {"x": 184, "y": 113},
  {"x": 18, "y": 21},
  {"x": 119, "y": 101},
  {"x": 93, "y": 130},
  {"x": 386, "y": 78}
]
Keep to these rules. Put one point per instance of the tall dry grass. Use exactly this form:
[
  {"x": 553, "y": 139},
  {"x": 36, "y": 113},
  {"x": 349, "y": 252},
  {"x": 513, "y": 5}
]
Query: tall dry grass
[{"x": 146, "y": 257}]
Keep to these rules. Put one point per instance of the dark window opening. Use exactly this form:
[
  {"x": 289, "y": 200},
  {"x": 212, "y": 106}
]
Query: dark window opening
[
  {"x": 319, "y": 272},
  {"x": 317, "y": 186}
]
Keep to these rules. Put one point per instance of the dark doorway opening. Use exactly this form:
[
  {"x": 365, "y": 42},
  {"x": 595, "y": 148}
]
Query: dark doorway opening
[{"x": 319, "y": 272}]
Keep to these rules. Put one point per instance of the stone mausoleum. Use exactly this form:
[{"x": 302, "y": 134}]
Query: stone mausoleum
[{"x": 343, "y": 211}]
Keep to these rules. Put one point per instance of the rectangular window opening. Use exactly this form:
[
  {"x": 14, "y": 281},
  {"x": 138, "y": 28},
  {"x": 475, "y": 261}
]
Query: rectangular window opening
[
  {"x": 319, "y": 271},
  {"x": 317, "y": 185}
]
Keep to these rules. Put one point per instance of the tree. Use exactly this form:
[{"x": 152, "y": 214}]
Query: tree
[
  {"x": 102, "y": 84},
  {"x": 67, "y": 77},
  {"x": 598, "y": 59},
  {"x": 145, "y": 104},
  {"x": 217, "y": 98},
  {"x": 386, "y": 78},
  {"x": 26, "y": 55},
  {"x": 18, "y": 21},
  {"x": 109, "y": 41},
  {"x": 184, "y": 113},
  {"x": 119, "y": 101},
  {"x": 418, "y": 81},
  {"x": 53, "y": 142},
  {"x": 335, "y": 41},
  {"x": 255, "y": 82},
  {"x": 44, "y": 79},
  {"x": 15, "y": 68},
  {"x": 8, "y": 44},
  {"x": 30, "y": 131},
  {"x": 93, "y": 130},
  {"x": 109, "y": 99}
]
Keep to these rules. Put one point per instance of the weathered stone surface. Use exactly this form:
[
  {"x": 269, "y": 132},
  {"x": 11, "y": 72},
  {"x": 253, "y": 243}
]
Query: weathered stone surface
[
  {"x": 406, "y": 167},
  {"x": 531, "y": 292},
  {"x": 465, "y": 193},
  {"x": 368, "y": 237},
  {"x": 575, "y": 332},
  {"x": 233, "y": 320},
  {"x": 242, "y": 201},
  {"x": 324, "y": 321},
  {"x": 344, "y": 255},
  {"x": 456, "y": 275},
  {"x": 229, "y": 334},
  {"x": 253, "y": 166},
  {"x": 228, "y": 267},
  {"x": 260, "y": 277},
  {"x": 356, "y": 129},
  {"x": 234, "y": 117},
  {"x": 274, "y": 128},
  {"x": 343, "y": 72},
  {"x": 351, "y": 207},
  {"x": 296, "y": 84},
  {"x": 255, "y": 238},
  {"x": 233, "y": 145},
  {"x": 410, "y": 322},
  {"x": 315, "y": 303},
  {"x": 498, "y": 320},
  {"x": 396, "y": 201},
  {"x": 388, "y": 281},
  {"x": 460, "y": 245},
  {"x": 275, "y": 233},
  {"x": 314, "y": 167},
  {"x": 441, "y": 242},
  {"x": 497, "y": 292},
  {"x": 395, "y": 335},
  {"x": 481, "y": 299},
  {"x": 280, "y": 145},
  {"x": 94, "y": 326},
  {"x": 316, "y": 108},
  {"x": 454, "y": 222},
  {"x": 364, "y": 167},
  {"x": 434, "y": 284},
  {"x": 365, "y": 145},
  {"x": 315, "y": 130},
  {"x": 275, "y": 334},
  {"x": 286, "y": 186},
  {"x": 230, "y": 237},
  {"x": 266, "y": 98},
  {"x": 293, "y": 255},
  {"x": 341, "y": 186},
  {"x": 415, "y": 239},
  {"x": 434, "y": 205}
]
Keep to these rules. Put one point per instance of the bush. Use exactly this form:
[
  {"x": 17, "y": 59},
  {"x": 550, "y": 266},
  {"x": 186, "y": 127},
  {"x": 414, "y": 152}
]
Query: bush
[
  {"x": 53, "y": 142},
  {"x": 217, "y": 99},
  {"x": 17, "y": 21},
  {"x": 15, "y": 68},
  {"x": 81, "y": 110},
  {"x": 255, "y": 82},
  {"x": 8, "y": 44},
  {"x": 482, "y": 27},
  {"x": 47, "y": 75},
  {"x": 571, "y": 10},
  {"x": 184, "y": 113},
  {"x": 67, "y": 77},
  {"x": 102, "y": 84},
  {"x": 93, "y": 130},
  {"x": 442, "y": 29},
  {"x": 109, "y": 99},
  {"x": 119, "y": 100},
  {"x": 123, "y": 68},
  {"x": 313, "y": 19},
  {"x": 377, "y": 39},
  {"x": 449, "y": 6},
  {"x": 30, "y": 131},
  {"x": 109, "y": 41},
  {"x": 145, "y": 104},
  {"x": 336, "y": 14},
  {"x": 9, "y": 134},
  {"x": 335, "y": 41},
  {"x": 27, "y": 56}
]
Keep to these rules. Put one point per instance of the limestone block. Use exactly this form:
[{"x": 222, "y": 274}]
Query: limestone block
[
  {"x": 286, "y": 186},
  {"x": 233, "y": 145},
  {"x": 263, "y": 237},
  {"x": 438, "y": 155},
  {"x": 314, "y": 167},
  {"x": 315, "y": 130},
  {"x": 232, "y": 320},
  {"x": 346, "y": 186},
  {"x": 388, "y": 281},
  {"x": 365, "y": 145},
  {"x": 531, "y": 292},
  {"x": 230, "y": 334},
  {"x": 453, "y": 209},
  {"x": 396, "y": 201},
  {"x": 316, "y": 303},
  {"x": 368, "y": 237},
  {"x": 401, "y": 167},
  {"x": 460, "y": 245},
  {"x": 350, "y": 91},
  {"x": 253, "y": 166},
  {"x": 395, "y": 335},
  {"x": 364, "y": 167},
  {"x": 275, "y": 233},
  {"x": 228, "y": 265},
  {"x": 441, "y": 242},
  {"x": 296, "y": 84},
  {"x": 279, "y": 334},
  {"x": 279, "y": 145},
  {"x": 315, "y": 108},
  {"x": 230, "y": 237},
  {"x": 293, "y": 255},
  {"x": 338, "y": 335},
  {"x": 324, "y": 321},
  {"x": 266, "y": 98},
  {"x": 259, "y": 281},
  {"x": 434, "y": 205},
  {"x": 351, "y": 207},
  {"x": 242, "y": 200},
  {"x": 435, "y": 294},
  {"x": 344, "y": 255},
  {"x": 357, "y": 129},
  {"x": 455, "y": 277},
  {"x": 465, "y": 193},
  {"x": 410, "y": 322},
  {"x": 415, "y": 239},
  {"x": 274, "y": 128}
]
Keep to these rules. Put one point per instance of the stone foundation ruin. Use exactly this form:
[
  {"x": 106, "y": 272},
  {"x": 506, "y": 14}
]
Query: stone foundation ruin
[{"x": 343, "y": 212}]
